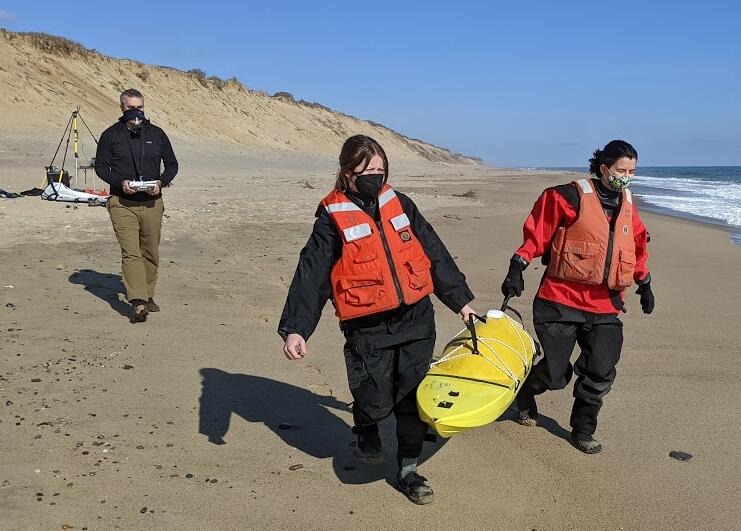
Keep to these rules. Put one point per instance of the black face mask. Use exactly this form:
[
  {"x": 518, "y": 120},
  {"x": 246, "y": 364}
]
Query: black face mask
[
  {"x": 369, "y": 186},
  {"x": 135, "y": 116}
]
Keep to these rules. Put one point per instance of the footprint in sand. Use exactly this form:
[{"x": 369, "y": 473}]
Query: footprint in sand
[
  {"x": 310, "y": 370},
  {"x": 322, "y": 388}
]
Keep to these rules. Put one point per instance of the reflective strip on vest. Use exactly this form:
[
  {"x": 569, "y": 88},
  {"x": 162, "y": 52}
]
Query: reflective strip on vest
[
  {"x": 385, "y": 197},
  {"x": 585, "y": 186},
  {"x": 342, "y": 207},
  {"x": 629, "y": 196},
  {"x": 357, "y": 232},
  {"x": 400, "y": 221}
]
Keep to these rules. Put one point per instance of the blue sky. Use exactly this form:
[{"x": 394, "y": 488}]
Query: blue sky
[{"x": 538, "y": 83}]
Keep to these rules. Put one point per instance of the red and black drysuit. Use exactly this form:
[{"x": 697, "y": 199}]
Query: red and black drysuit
[
  {"x": 566, "y": 313},
  {"x": 386, "y": 354}
]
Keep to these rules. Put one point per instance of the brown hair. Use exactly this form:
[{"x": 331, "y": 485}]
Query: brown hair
[{"x": 357, "y": 150}]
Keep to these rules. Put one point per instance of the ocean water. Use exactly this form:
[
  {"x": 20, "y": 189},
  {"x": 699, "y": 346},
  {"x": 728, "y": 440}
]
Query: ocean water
[{"x": 711, "y": 194}]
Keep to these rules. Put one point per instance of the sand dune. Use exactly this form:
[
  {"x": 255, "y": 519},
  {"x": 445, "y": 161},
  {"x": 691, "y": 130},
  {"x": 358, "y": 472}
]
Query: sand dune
[{"x": 43, "y": 78}]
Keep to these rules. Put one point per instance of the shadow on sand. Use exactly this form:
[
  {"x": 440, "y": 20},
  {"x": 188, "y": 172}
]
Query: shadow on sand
[
  {"x": 547, "y": 423},
  {"x": 302, "y": 419},
  {"x": 105, "y": 286}
]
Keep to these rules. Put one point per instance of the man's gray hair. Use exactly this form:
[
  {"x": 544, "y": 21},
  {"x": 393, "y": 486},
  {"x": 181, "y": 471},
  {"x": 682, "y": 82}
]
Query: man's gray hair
[{"x": 130, "y": 93}]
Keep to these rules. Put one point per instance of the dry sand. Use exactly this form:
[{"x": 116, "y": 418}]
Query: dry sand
[
  {"x": 100, "y": 423},
  {"x": 101, "y": 420}
]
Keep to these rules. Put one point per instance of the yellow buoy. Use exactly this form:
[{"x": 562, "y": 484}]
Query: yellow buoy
[{"x": 478, "y": 375}]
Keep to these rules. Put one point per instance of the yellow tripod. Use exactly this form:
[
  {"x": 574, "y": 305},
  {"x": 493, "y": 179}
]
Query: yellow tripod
[{"x": 71, "y": 132}]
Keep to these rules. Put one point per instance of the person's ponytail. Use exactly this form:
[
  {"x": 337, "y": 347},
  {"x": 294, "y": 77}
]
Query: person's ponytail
[{"x": 594, "y": 163}]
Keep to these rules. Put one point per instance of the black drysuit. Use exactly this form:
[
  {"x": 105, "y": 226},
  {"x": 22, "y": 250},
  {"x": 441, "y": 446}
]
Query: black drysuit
[{"x": 386, "y": 354}]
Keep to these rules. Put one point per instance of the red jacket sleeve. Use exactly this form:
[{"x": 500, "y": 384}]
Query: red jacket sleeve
[
  {"x": 550, "y": 211},
  {"x": 640, "y": 235}
]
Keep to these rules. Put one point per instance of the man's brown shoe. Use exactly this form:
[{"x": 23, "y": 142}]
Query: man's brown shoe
[
  {"x": 152, "y": 306},
  {"x": 139, "y": 314}
]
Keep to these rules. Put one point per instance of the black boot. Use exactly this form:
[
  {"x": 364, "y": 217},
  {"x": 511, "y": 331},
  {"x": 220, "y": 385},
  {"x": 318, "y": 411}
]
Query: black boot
[
  {"x": 527, "y": 413},
  {"x": 368, "y": 448},
  {"x": 415, "y": 487},
  {"x": 585, "y": 442}
]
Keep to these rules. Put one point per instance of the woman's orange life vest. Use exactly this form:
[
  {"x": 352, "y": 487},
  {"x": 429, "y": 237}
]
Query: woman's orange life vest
[
  {"x": 594, "y": 249},
  {"x": 383, "y": 264}
]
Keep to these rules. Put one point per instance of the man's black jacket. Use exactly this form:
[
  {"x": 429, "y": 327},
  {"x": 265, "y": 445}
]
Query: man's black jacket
[
  {"x": 311, "y": 287},
  {"x": 120, "y": 157}
]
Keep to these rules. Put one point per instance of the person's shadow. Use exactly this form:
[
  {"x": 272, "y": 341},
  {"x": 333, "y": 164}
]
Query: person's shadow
[
  {"x": 302, "y": 419},
  {"x": 547, "y": 423},
  {"x": 105, "y": 286}
]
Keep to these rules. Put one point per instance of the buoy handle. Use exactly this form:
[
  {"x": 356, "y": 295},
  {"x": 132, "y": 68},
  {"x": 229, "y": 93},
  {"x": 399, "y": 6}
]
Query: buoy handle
[
  {"x": 506, "y": 306},
  {"x": 471, "y": 324}
]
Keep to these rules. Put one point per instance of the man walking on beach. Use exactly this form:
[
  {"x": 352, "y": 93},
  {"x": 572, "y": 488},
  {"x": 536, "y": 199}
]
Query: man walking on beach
[
  {"x": 131, "y": 151},
  {"x": 595, "y": 246}
]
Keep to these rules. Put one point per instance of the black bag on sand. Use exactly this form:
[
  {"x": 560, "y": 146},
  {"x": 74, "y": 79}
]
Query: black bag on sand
[{"x": 54, "y": 174}]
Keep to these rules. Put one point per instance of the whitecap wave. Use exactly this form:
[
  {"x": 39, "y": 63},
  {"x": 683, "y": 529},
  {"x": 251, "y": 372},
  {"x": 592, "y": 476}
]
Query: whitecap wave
[{"x": 711, "y": 199}]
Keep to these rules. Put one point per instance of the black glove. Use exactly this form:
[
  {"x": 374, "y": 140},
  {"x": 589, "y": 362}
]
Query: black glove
[
  {"x": 647, "y": 297},
  {"x": 514, "y": 283}
]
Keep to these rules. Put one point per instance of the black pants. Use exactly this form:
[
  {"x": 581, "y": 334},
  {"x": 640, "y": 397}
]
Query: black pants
[
  {"x": 600, "y": 337},
  {"x": 385, "y": 380}
]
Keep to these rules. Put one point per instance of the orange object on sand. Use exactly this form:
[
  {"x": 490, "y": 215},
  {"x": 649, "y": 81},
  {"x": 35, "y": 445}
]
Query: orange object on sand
[{"x": 103, "y": 193}]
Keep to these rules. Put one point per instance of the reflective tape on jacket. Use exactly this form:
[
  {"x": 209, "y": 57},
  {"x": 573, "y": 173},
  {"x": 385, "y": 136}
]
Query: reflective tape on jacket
[
  {"x": 385, "y": 197},
  {"x": 356, "y": 232},
  {"x": 400, "y": 221},
  {"x": 347, "y": 206}
]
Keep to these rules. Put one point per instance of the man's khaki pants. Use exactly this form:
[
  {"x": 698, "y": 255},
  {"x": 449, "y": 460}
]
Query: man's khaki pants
[{"x": 137, "y": 226}]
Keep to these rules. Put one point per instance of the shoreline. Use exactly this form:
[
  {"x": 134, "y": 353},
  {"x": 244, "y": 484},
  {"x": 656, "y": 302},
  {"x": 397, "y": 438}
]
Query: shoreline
[{"x": 734, "y": 233}]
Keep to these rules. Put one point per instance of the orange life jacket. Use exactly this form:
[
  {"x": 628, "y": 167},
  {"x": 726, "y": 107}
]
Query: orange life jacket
[
  {"x": 593, "y": 250},
  {"x": 383, "y": 264}
]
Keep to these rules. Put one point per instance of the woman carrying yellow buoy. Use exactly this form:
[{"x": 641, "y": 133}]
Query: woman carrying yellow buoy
[
  {"x": 594, "y": 243},
  {"x": 373, "y": 254}
]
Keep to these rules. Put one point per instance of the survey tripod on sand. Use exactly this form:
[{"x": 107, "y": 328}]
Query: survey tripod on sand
[{"x": 57, "y": 185}]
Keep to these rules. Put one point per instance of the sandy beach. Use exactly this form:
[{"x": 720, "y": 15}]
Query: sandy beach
[{"x": 106, "y": 425}]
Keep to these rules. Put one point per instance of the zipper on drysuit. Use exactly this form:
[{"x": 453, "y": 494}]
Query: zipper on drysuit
[{"x": 390, "y": 260}]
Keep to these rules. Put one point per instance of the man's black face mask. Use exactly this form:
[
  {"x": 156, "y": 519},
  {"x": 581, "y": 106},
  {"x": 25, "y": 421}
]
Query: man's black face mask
[{"x": 136, "y": 116}]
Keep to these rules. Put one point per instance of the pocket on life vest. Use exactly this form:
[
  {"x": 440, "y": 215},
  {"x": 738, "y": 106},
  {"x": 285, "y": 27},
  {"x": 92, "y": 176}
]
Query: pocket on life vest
[
  {"x": 418, "y": 272},
  {"x": 580, "y": 262},
  {"x": 364, "y": 255},
  {"x": 625, "y": 269},
  {"x": 362, "y": 290}
]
